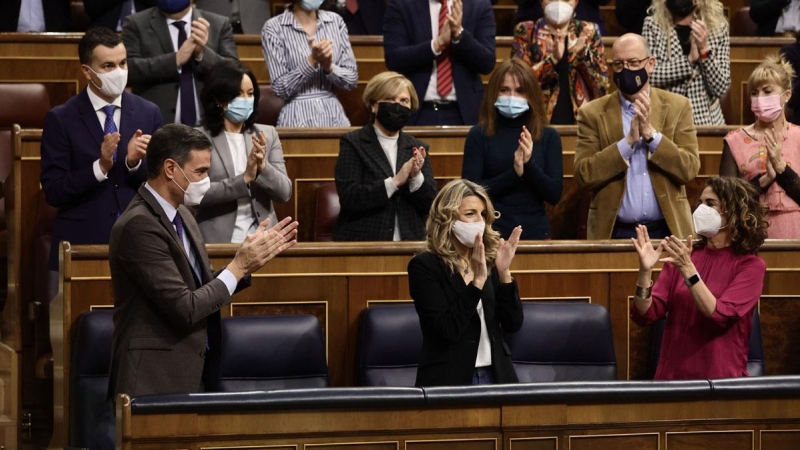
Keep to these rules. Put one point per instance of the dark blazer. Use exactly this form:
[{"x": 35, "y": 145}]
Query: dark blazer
[
  {"x": 765, "y": 13},
  {"x": 57, "y": 15},
  {"x": 105, "y": 13},
  {"x": 366, "y": 213},
  {"x": 451, "y": 327},
  {"x": 71, "y": 142},
  {"x": 407, "y": 38},
  {"x": 152, "y": 72},
  {"x": 164, "y": 319}
]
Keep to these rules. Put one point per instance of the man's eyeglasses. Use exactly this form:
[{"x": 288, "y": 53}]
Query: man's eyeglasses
[{"x": 632, "y": 64}]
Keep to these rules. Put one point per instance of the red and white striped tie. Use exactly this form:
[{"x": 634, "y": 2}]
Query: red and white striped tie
[{"x": 444, "y": 72}]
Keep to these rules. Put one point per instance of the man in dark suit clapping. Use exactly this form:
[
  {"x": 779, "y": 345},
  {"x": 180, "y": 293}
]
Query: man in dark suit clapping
[
  {"x": 93, "y": 145},
  {"x": 166, "y": 296}
]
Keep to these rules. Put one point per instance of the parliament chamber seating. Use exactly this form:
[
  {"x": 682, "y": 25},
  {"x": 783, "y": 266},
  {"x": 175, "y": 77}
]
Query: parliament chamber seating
[
  {"x": 563, "y": 342},
  {"x": 389, "y": 346},
  {"x": 92, "y": 423},
  {"x": 272, "y": 352},
  {"x": 326, "y": 211},
  {"x": 269, "y": 106},
  {"x": 755, "y": 356}
]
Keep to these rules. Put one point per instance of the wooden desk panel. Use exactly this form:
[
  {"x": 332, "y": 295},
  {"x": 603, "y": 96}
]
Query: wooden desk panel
[{"x": 336, "y": 281}]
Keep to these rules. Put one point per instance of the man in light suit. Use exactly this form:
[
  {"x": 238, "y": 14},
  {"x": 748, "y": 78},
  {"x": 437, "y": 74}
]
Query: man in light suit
[
  {"x": 443, "y": 51},
  {"x": 170, "y": 51},
  {"x": 247, "y": 16},
  {"x": 636, "y": 150},
  {"x": 93, "y": 145},
  {"x": 166, "y": 296}
]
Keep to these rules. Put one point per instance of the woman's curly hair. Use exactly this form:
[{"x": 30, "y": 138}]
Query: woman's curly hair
[
  {"x": 444, "y": 212},
  {"x": 746, "y": 215}
]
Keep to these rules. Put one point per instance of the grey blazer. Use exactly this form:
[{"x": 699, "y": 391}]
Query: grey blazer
[
  {"x": 152, "y": 71},
  {"x": 252, "y": 13},
  {"x": 216, "y": 214}
]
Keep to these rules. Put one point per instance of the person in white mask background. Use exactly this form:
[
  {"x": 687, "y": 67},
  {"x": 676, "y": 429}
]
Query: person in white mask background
[
  {"x": 709, "y": 287},
  {"x": 93, "y": 146},
  {"x": 764, "y": 152},
  {"x": 248, "y": 172},
  {"x": 567, "y": 56},
  {"x": 689, "y": 39},
  {"x": 463, "y": 291},
  {"x": 514, "y": 154},
  {"x": 308, "y": 55}
]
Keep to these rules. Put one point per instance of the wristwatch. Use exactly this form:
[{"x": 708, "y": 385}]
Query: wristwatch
[{"x": 692, "y": 280}]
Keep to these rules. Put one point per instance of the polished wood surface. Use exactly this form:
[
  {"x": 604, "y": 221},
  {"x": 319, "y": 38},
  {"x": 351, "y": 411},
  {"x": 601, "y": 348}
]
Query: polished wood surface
[
  {"x": 764, "y": 424},
  {"x": 52, "y": 59},
  {"x": 337, "y": 281}
]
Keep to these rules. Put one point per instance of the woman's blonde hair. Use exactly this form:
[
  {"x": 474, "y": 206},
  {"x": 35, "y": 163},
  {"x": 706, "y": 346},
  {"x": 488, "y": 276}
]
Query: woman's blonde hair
[
  {"x": 387, "y": 85},
  {"x": 709, "y": 11},
  {"x": 773, "y": 69},
  {"x": 445, "y": 212}
]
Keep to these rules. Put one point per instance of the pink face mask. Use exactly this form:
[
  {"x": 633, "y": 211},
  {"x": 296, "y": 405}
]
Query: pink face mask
[{"x": 766, "y": 109}]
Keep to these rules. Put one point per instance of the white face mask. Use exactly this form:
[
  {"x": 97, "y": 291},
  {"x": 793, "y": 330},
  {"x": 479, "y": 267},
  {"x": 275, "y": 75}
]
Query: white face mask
[
  {"x": 558, "y": 13},
  {"x": 113, "y": 82},
  {"x": 465, "y": 232},
  {"x": 193, "y": 195},
  {"x": 707, "y": 221}
]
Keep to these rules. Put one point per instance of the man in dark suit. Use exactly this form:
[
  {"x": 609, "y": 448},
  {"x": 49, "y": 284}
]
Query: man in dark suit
[
  {"x": 247, "y": 16},
  {"x": 112, "y": 13},
  {"x": 170, "y": 51},
  {"x": 363, "y": 16},
  {"x": 93, "y": 145},
  {"x": 35, "y": 16},
  {"x": 166, "y": 297},
  {"x": 444, "y": 61}
]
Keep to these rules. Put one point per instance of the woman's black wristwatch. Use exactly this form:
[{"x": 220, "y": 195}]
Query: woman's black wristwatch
[{"x": 692, "y": 280}]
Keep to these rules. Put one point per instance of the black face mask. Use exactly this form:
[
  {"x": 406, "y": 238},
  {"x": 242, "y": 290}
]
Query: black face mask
[
  {"x": 393, "y": 116},
  {"x": 681, "y": 8},
  {"x": 630, "y": 81}
]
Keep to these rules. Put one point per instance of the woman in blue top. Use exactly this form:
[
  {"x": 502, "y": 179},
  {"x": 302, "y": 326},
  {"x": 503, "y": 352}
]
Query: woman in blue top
[{"x": 513, "y": 153}]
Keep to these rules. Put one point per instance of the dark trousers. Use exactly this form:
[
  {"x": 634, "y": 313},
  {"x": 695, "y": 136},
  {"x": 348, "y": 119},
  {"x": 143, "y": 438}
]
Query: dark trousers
[
  {"x": 656, "y": 230},
  {"x": 431, "y": 115}
]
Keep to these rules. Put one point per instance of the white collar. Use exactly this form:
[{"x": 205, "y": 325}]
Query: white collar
[
  {"x": 98, "y": 103},
  {"x": 187, "y": 18},
  {"x": 169, "y": 210}
]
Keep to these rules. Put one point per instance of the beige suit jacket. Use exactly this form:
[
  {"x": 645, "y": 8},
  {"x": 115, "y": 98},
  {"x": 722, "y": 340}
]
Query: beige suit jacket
[{"x": 601, "y": 169}]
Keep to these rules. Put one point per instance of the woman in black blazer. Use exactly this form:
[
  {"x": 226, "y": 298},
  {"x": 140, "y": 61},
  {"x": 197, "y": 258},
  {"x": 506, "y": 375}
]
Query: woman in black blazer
[
  {"x": 463, "y": 291},
  {"x": 384, "y": 181}
]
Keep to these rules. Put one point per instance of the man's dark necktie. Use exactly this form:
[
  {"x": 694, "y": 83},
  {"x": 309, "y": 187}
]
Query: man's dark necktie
[
  {"x": 188, "y": 112},
  {"x": 109, "y": 126}
]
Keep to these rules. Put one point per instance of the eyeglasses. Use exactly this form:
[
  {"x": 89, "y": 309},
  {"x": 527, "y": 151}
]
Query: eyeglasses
[{"x": 633, "y": 64}]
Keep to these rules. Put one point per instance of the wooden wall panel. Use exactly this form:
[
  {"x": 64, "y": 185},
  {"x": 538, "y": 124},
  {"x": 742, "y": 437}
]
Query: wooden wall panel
[
  {"x": 533, "y": 443},
  {"x": 779, "y": 439},
  {"x": 614, "y": 442},
  {"x": 780, "y": 330},
  {"x": 454, "y": 444},
  {"x": 711, "y": 440},
  {"x": 355, "y": 446}
]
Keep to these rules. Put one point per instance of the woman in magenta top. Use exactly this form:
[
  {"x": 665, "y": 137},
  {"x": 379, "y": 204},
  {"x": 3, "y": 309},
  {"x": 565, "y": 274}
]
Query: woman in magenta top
[{"x": 709, "y": 288}]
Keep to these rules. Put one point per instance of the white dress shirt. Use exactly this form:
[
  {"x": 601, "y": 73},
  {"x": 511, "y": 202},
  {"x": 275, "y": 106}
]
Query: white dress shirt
[
  {"x": 389, "y": 146},
  {"x": 173, "y": 34},
  {"x": 431, "y": 94},
  {"x": 98, "y": 104},
  {"x": 484, "y": 357},
  {"x": 789, "y": 21},
  {"x": 31, "y": 17},
  {"x": 245, "y": 220}
]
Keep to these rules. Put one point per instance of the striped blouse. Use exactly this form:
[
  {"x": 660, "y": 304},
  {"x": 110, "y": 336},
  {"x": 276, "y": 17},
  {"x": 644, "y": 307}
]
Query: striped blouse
[{"x": 307, "y": 91}]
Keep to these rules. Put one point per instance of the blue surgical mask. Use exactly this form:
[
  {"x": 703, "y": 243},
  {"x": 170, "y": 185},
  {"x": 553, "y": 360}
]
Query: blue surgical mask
[
  {"x": 239, "y": 109},
  {"x": 511, "y": 106},
  {"x": 310, "y": 5},
  {"x": 173, "y": 6}
]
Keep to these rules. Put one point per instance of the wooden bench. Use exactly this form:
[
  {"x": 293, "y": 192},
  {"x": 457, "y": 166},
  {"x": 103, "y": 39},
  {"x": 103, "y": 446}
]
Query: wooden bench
[
  {"x": 336, "y": 281},
  {"x": 716, "y": 414}
]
